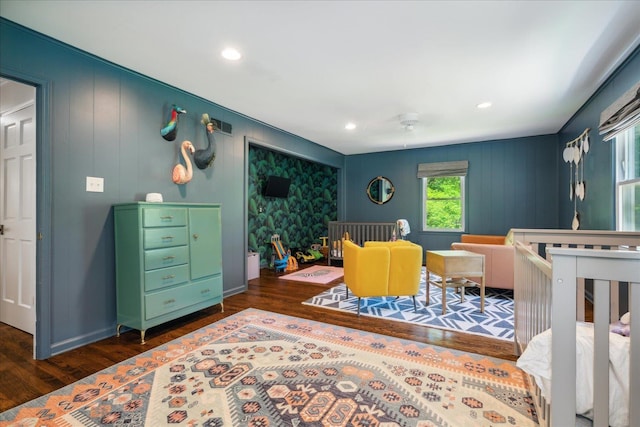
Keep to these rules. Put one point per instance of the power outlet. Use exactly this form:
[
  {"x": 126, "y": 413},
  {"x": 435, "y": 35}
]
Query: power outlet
[{"x": 95, "y": 185}]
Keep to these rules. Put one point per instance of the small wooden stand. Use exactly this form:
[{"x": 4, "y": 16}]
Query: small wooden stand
[{"x": 453, "y": 268}]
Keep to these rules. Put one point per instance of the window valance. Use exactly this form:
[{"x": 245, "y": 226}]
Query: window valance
[
  {"x": 458, "y": 168},
  {"x": 622, "y": 114}
]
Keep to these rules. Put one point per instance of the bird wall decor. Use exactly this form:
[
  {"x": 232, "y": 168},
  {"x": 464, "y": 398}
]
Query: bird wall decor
[
  {"x": 203, "y": 158},
  {"x": 170, "y": 131},
  {"x": 182, "y": 175}
]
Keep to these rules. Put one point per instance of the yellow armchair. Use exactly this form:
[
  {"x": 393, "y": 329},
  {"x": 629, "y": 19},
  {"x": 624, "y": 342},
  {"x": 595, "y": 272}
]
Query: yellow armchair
[{"x": 382, "y": 269}]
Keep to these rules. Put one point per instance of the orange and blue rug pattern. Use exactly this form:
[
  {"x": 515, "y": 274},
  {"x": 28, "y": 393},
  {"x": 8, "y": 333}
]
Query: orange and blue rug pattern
[{"x": 260, "y": 369}]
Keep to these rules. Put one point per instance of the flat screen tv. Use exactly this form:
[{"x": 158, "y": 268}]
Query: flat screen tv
[{"x": 277, "y": 186}]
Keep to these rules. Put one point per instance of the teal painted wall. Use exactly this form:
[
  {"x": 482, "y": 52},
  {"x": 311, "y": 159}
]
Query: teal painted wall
[
  {"x": 597, "y": 210},
  {"x": 510, "y": 184},
  {"x": 302, "y": 217},
  {"x": 99, "y": 119}
]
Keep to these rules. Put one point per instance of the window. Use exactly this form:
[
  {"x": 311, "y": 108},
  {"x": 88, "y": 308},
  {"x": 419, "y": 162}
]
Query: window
[
  {"x": 443, "y": 204},
  {"x": 628, "y": 180}
]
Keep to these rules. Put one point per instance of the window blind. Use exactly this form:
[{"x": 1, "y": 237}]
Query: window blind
[
  {"x": 458, "y": 168},
  {"x": 621, "y": 115}
]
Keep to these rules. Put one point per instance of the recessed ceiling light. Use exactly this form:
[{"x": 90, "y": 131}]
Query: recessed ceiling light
[
  {"x": 231, "y": 54},
  {"x": 350, "y": 126},
  {"x": 484, "y": 105}
]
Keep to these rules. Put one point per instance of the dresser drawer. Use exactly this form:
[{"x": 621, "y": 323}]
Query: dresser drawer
[
  {"x": 163, "y": 277},
  {"x": 165, "y": 237},
  {"x": 163, "y": 302},
  {"x": 163, "y": 217},
  {"x": 160, "y": 258}
]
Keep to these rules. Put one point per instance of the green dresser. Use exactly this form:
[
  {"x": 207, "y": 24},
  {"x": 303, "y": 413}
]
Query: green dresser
[{"x": 168, "y": 261}]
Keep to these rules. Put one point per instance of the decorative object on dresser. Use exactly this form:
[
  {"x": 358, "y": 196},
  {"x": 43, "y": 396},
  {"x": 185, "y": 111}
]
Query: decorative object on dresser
[{"x": 168, "y": 261}]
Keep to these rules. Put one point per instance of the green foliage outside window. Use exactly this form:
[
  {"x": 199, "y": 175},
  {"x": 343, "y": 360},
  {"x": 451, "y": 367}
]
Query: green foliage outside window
[{"x": 443, "y": 203}]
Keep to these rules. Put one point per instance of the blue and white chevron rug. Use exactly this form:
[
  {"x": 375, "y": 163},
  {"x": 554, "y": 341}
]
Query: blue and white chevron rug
[{"x": 495, "y": 322}]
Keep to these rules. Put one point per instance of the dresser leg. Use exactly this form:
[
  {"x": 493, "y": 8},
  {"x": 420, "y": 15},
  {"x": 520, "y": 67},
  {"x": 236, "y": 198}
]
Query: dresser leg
[
  {"x": 118, "y": 330},
  {"x": 142, "y": 336},
  {"x": 221, "y": 307}
]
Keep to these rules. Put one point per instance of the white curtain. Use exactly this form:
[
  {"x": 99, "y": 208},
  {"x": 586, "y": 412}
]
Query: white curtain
[{"x": 622, "y": 114}]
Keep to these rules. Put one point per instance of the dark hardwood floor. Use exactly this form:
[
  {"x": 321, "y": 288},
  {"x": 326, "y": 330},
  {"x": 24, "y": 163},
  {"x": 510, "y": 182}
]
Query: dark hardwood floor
[{"x": 23, "y": 379}]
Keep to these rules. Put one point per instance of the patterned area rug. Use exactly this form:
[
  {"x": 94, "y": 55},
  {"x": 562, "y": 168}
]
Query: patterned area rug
[
  {"x": 316, "y": 274},
  {"x": 260, "y": 369},
  {"x": 495, "y": 322}
]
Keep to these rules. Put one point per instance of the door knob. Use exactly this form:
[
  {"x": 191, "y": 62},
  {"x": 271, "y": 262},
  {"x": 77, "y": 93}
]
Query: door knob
[{"x": 1, "y": 229}]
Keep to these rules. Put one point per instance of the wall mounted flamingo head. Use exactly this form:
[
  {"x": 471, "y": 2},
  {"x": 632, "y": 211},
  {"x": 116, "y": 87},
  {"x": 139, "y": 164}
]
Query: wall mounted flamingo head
[{"x": 182, "y": 175}]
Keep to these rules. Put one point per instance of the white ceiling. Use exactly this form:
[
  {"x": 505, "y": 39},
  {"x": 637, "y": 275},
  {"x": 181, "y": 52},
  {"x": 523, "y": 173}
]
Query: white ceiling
[{"x": 309, "y": 67}]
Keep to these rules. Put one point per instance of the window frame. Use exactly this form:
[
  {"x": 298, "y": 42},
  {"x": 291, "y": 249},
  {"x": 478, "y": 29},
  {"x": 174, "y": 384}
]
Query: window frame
[
  {"x": 625, "y": 147},
  {"x": 462, "y": 199}
]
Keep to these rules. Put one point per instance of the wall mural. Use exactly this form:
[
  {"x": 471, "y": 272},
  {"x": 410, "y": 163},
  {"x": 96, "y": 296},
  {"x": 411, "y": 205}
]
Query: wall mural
[{"x": 301, "y": 218}]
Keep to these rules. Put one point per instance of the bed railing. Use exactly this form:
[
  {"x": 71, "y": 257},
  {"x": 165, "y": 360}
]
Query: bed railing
[
  {"x": 532, "y": 291},
  {"x": 359, "y": 232},
  {"x": 603, "y": 257},
  {"x": 604, "y": 267}
]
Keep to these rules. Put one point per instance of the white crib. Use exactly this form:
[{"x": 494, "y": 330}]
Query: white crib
[{"x": 571, "y": 258}]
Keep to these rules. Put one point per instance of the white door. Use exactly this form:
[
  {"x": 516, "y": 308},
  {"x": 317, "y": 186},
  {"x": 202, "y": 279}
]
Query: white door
[{"x": 18, "y": 218}]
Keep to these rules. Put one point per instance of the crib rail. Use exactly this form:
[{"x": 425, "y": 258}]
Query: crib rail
[
  {"x": 604, "y": 267},
  {"x": 359, "y": 232},
  {"x": 540, "y": 239},
  {"x": 533, "y": 294},
  {"x": 529, "y": 242}
]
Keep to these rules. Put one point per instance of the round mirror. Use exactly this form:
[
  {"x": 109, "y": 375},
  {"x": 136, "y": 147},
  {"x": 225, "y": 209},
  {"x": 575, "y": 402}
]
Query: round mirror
[{"x": 380, "y": 190}]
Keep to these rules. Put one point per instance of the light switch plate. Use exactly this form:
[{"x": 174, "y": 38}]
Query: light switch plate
[{"x": 95, "y": 185}]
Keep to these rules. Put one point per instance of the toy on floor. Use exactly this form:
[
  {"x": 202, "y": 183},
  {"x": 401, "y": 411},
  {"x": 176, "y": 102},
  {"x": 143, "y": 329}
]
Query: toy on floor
[
  {"x": 282, "y": 257},
  {"x": 315, "y": 253},
  {"x": 302, "y": 257},
  {"x": 292, "y": 263},
  {"x": 325, "y": 245}
]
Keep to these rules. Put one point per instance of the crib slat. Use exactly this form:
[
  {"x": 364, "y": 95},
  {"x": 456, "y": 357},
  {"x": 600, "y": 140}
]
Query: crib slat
[
  {"x": 563, "y": 344},
  {"x": 601, "y": 353}
]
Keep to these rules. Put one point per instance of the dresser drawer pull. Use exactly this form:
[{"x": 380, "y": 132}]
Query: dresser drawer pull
[
  {"x": 205, "y": 291},
  {"x": 169, "y": 301},
  {"x": 168, "y": 257},
  {"x": 167, "y": 237},
  {"x": 171, "y": 276},
  {"x": 169, "y": 217}
]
